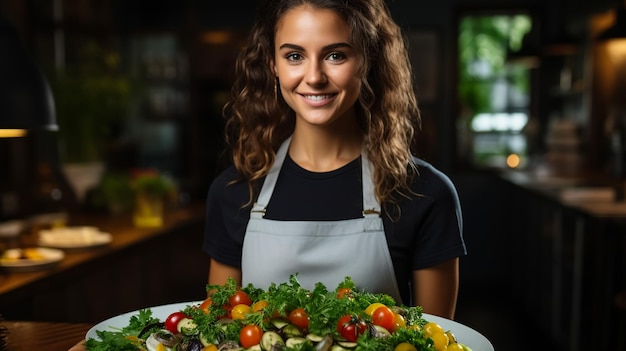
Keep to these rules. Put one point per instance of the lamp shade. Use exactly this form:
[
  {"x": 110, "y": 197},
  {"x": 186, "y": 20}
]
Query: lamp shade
[
  {"x": 618, "y": 29},
  {"x": 26, "y": 100}
]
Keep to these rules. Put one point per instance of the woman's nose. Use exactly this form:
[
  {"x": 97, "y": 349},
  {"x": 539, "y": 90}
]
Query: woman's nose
[{"x": 315, "y": 73}]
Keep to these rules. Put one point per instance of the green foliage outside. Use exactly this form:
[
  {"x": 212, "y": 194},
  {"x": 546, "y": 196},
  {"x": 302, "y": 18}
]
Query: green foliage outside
[
  {"x": 92, "y": 98},
  {"x": 487, "y": 40}
]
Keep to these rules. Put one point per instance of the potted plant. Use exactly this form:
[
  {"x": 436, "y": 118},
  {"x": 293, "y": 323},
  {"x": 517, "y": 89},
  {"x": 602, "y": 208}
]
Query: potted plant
[
  {"x": 92, "y": 100},
  {"x": 152, "y": 190}
]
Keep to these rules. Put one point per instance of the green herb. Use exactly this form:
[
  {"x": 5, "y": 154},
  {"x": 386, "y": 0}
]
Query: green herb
[
  {"x": 127, "y": 338},
  {"x": 324, "y": 308}
]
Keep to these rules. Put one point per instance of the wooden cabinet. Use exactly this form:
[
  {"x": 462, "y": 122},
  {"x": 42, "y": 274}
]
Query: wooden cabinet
[
  {"x": 568, "y": 266},
  {"x": 139, "y": 269}
]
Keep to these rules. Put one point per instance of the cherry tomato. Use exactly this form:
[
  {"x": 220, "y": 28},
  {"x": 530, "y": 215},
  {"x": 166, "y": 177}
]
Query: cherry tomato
[
  {"x": 432, "y": 328},
  {"x": 384, "y": 317},
  {"x": 371, "y": 308},
  {"x": 344, "y": 292},
  {"x": 440, "y": 341},
  {"x": 398, "y": 322},
  {"x": 455, "y": 347},
  {"x": 240, "y": 311},
  {"x": 250, "y": 335},
  {"x": 206, "y": 305},
  {"x": 299, "y": 318},
  {"x": 259, "y": 305},
  {"x": 350, "y": 327},
  {"x": 405, "y": 346},
  {"x": 239, "y": 297},
  {"x": 171, "y": 322}
]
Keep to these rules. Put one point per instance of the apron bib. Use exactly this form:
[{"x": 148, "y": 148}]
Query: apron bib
[{"x": 318, "y": 251}]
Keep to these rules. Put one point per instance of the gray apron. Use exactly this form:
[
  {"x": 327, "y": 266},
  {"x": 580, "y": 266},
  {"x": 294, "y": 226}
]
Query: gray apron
[{"x": 318, "y": 251}]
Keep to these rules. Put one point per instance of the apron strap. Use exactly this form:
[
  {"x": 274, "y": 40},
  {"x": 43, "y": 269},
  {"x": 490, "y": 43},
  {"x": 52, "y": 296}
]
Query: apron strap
[
  {"x": 258, "y": 210},
  {"x": 371, "y": 207}
]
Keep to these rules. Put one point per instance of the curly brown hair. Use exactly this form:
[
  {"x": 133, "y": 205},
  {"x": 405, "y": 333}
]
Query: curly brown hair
[{"x": 259, "y": 120}]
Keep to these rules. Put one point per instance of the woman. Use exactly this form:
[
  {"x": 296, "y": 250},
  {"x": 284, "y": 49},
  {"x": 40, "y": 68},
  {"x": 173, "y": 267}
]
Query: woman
[{"x": 323, "y": 183}]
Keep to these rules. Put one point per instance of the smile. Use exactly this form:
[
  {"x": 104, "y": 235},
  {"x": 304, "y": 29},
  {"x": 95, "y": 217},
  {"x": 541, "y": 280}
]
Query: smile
[{"x": 318, "y": 97}]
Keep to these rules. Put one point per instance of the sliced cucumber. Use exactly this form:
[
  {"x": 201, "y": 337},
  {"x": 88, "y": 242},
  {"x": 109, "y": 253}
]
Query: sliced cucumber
[
  {"x": 338, "y": 347},
  {"x": 270, "y": 339},
  {"x": 291, "y": 331},
  {"x": 347, "y": 344},
  {"x": 256, "y": 347},
  {"x": 295, "y": 341},
  {"x": 186, "y": 326},
  {"x": 314, "y": 338},
  {"x": 279, "y": 323}
]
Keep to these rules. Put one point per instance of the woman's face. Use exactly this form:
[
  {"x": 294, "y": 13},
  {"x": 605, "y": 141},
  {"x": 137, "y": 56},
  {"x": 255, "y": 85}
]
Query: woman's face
[{"x": 317, "y": 65}]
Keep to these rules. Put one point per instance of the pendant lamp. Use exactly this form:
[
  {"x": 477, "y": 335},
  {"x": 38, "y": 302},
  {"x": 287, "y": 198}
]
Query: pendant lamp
[
  {"x": 618, "y": 29},
  {"x": 26, "y": 102}
]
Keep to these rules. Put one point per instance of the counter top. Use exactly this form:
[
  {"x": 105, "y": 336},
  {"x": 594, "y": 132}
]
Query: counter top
[
  {"x": 132, "y": 258},
  {"x": 588, "y": 194},
  {"x": 49, "y": 336}
]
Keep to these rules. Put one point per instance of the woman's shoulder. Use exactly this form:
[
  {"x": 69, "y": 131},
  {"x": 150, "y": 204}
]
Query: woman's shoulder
[
  {"x": 227, "y": 185},
  {"x": 431, "y": 181}
]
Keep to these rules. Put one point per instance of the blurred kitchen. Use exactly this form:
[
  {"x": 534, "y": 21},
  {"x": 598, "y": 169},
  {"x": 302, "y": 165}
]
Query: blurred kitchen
[{"x": 523, "y": 104}]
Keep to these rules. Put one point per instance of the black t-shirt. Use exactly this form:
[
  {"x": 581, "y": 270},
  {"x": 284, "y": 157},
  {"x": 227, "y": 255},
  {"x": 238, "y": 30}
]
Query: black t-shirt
[{"x": 428, "y": 232}]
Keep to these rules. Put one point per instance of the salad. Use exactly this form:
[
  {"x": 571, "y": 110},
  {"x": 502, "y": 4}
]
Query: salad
[{"x": 285, "y": 317}]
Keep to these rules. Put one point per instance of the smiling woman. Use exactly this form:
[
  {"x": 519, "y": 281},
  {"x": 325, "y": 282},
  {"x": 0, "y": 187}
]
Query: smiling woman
[{"x": 323, "y": 183}]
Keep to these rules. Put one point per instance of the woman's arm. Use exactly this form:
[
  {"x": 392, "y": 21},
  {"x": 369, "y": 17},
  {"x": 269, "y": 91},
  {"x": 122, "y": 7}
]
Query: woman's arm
[
  {"x": 219, "y": 273},
  {"x": 436, "y": 288}
]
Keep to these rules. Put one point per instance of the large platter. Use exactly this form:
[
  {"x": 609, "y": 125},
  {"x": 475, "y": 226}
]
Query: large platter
[{"x": 466, "y": 335}]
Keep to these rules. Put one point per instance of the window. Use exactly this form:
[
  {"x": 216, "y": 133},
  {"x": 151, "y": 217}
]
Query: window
[{"x": 494, "y": 91}]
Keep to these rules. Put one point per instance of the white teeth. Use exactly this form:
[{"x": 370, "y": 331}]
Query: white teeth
[{"x": 317, "y": 97}]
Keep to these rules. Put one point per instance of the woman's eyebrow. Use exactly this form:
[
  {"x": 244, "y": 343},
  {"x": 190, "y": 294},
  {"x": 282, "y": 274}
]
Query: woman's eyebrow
[{"x": 325, "y": 48}]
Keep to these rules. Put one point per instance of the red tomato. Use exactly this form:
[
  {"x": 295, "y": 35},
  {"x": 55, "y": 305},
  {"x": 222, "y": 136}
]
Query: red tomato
[
  {"x": 384, "y": 317},
  {"x": 171, "y": 323},
  {"x": 350, "y": 327},
  {"x": 299, "y": 318},
  {"x": 250, "y": 335},
  {"x": 238, "y": 298}
]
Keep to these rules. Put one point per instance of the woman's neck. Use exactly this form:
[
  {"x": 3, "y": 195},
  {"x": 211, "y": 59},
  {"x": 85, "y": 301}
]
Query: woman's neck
[{"x": 320, "y": 150}]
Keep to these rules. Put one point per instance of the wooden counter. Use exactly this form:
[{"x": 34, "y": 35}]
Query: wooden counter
[
  {"x": 141, "y": 267},
  {"x": 48, "y": 336},
  {"x": 569, "y": 236}
]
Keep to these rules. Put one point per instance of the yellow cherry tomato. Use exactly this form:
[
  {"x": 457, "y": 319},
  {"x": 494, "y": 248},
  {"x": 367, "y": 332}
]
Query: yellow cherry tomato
[
  {"x": 405, "y": 346},
  {"x": 259, "y": 305},
  {"x": 240, "y": 311},
  {"x": 398, "y": 322},
  {"x": 455, "y": 347},
  {"x": 371, "y": 308},
  {"x": 432, "y": 328},
  {"x": 440, "y": 340},
  {"x": 451, "y": 337}
]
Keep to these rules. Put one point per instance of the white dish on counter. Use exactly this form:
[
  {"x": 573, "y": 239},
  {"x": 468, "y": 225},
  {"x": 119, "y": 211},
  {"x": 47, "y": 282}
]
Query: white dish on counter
[
  {"x": 465, "y": 334},
  {"x": 30, "y": 259},
  {"x": 73, "y": 237}
]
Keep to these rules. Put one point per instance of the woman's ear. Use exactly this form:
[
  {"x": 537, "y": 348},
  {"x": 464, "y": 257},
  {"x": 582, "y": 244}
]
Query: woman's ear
[{"x": 273, "y": 68}]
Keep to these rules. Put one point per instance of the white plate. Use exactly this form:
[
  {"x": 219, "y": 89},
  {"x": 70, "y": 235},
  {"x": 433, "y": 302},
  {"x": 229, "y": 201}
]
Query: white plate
[
  {"x": 73, "y": 237},
  {"x": 464, "y": 334},
  {"x": 49, "y": 258}
]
